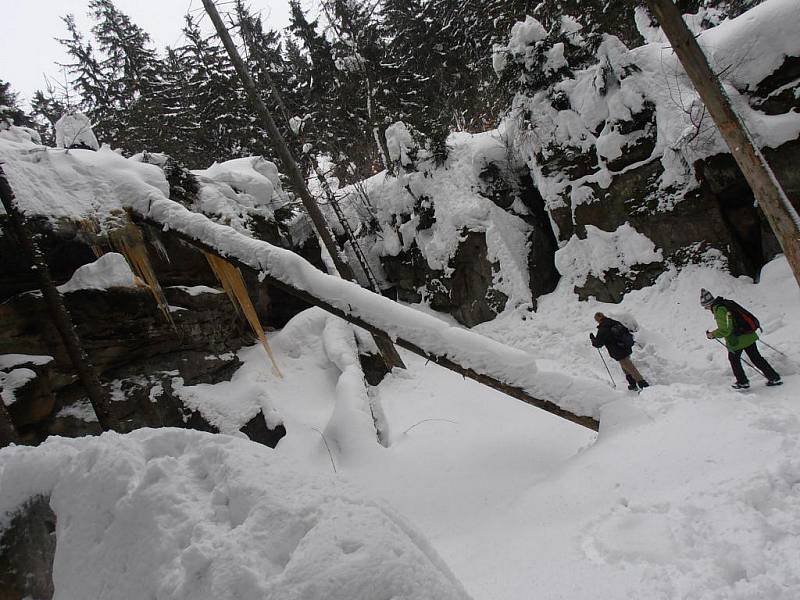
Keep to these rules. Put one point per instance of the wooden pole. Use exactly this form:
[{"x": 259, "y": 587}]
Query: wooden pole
[
  {"x": 488, "y": 380},
  {"x": 780, "y": 213},
  {"x": 384, "y": 344},
  {"x": 55, "y": 305}
]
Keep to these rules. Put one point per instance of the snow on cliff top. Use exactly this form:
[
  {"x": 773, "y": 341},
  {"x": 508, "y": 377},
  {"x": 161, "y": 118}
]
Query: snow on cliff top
[
  {"x": 75, "y": 184},
  {"x": 184, "y": 514},
  {"x": 84, "y": 184}
]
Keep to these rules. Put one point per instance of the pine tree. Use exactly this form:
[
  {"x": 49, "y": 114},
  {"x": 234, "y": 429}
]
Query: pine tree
[
  {"x": 132, "y": 71},
  {"x": 10, "y": 111}
]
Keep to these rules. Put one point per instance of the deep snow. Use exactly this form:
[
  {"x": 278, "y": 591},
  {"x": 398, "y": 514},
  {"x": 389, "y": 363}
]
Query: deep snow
[{"x": 690, "y": 490}]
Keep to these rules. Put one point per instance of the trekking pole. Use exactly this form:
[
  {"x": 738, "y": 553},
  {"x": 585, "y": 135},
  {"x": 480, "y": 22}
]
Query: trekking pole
[
  {"x": 614, "y": 383},
  {"x": 745, "y": 361},
  {"x": 773, "y": 348}
]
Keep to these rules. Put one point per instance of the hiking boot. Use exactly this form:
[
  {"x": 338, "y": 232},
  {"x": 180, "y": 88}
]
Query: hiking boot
[
  {"x": 643, "y": 384},
  {"x": 632, "y": 387},
  {"x": 773, "y": 382},
  {"x": 741, "y": 386}
]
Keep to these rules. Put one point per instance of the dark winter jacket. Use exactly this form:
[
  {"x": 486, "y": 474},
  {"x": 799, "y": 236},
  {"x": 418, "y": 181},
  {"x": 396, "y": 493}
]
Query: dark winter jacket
[{"x": 605, "y": 337}]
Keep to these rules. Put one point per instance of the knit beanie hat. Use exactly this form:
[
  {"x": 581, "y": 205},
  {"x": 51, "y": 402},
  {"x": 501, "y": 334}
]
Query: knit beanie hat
[{"x": 706, "y": 298}]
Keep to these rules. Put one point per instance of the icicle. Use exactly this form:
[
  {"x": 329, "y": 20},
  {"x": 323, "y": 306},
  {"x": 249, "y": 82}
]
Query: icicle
[
  {"x": 232, "y": 282},
  {"x": 129, "y": 241},
  {"x": 89, "y": 226}
]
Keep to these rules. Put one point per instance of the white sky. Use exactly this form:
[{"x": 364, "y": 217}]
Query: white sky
[{"x": 28, "y": 49}]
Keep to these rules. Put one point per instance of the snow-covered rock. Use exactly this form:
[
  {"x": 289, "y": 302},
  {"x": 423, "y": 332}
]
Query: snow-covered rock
[
  {"x": 110, "y": 270},
  {"x": 400, "y": 143},
  {"x": 256, "y": 181},
  {"x": 74, "y": 130},
  {"x": 602, "y": 251},
  {"x": 458, "y": 235}
]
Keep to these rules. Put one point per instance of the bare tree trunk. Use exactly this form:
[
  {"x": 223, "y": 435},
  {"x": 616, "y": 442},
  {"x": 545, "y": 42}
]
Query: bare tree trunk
[
  {"x": 8, "y": 435},
  {"x": 385, "y": 344},
  {"x": 780, "y": 213},
  {"x": 55, "y": 305},
  {"x": 323, "y": 182}
]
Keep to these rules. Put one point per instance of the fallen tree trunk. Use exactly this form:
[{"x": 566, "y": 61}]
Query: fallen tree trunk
[{"x": 246, "y": 261}]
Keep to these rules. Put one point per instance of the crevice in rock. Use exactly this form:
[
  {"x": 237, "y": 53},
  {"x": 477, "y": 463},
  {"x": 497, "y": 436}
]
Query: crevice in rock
[
  {"x": 752, "y": 242},
  {"x": 541, "y": 257}
]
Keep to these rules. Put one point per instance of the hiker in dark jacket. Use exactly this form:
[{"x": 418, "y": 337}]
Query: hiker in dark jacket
[
  {"x": 737, "y": 342},
  {"x": 609, "y": 334}
]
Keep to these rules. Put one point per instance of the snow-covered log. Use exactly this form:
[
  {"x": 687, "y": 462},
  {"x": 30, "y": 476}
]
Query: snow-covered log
[{"x": 506, "y": 369}]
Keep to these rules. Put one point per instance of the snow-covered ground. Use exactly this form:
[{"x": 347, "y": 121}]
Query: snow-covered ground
[{"x": 690, "y": 490}]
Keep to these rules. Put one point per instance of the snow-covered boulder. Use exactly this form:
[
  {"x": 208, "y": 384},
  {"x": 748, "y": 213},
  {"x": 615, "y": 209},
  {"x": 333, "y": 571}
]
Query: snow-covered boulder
[
  {"x": 182, "y": 514},
  {"x": 400, "y": 144},
  {"x": 74, "y": 130}
]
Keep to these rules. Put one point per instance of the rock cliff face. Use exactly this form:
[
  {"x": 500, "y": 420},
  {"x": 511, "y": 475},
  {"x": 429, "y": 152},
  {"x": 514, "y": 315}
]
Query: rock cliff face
[
  {"x": 137, "y": 351},
  {"x": 606, "y": 172},
  {"x": 145, "y": 354},
  {"x": 616, "y": 135}
]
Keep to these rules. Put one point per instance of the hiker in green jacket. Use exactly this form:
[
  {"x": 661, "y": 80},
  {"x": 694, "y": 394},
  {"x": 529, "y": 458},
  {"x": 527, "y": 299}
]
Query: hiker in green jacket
[{"x": 737, "y": 340}]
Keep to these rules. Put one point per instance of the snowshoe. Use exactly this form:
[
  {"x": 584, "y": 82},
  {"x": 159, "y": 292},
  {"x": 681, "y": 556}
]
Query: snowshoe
[
  {"x": 632, "y": 387},
  {"x": 741, "y": 386},
  {"x": 774, "y": 382},
  {"x": 643, "y": 384}
]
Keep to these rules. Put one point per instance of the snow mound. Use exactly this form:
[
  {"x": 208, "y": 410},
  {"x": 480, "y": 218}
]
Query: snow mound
[
  {"x": 108, "y": 271},
  {"x": 257, "y": 180},
  {"x": 400, "y": 143},
  {"x": 184, "y": 514}
]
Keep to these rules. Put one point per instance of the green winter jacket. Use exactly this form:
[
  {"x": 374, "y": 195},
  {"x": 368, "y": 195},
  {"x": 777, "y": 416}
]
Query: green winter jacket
[{"x": 724, "y": 329}]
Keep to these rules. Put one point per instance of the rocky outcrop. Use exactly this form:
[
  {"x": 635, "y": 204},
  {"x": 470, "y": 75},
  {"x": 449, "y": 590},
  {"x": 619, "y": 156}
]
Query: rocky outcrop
[
  {"x": 137, "y": 351},
  {"x": 131, "y": 344},
  {"x": 465, "y": 290},
  {"x": 27, "y": 550},
  {"x": 34, "y": 399},
  {"x": 611, "y": 140},
  {"x": 64, "y": 244}
]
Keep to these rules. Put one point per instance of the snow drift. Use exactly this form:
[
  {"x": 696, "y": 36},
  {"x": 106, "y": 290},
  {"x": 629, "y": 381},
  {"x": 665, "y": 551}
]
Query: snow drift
[{"x": 183, "y": 514}]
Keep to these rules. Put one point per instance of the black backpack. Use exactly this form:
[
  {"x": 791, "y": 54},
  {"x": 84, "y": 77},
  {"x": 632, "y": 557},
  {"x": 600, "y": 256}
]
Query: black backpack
[
  {"x": 622, "y": 336},
  {"x": 743, "y": 320}
]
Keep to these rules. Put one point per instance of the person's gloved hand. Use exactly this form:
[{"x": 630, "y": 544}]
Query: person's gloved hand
[
  {"x": 591, "y": 336},
  {"x": 710, "y": 334}
]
